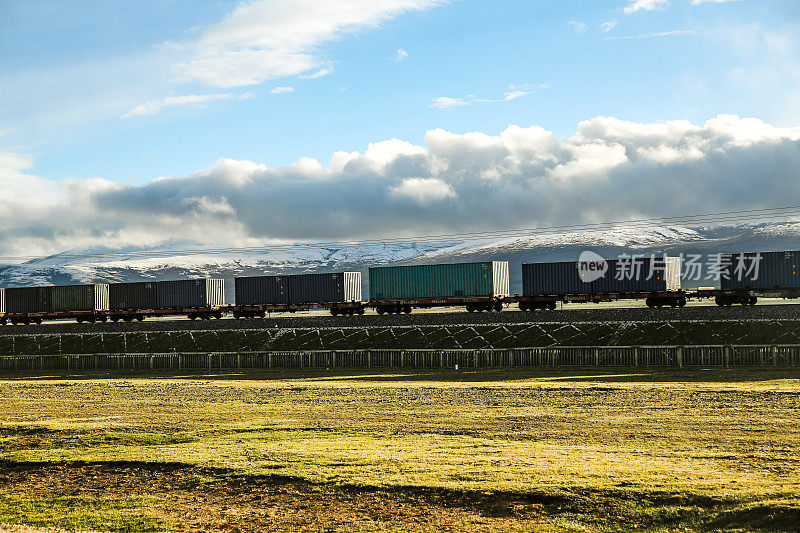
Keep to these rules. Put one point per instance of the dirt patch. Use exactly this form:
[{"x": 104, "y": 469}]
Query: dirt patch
[{"x": 213, "y": 500}]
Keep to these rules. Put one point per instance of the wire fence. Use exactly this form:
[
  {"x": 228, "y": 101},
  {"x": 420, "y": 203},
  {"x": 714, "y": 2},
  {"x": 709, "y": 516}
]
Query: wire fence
[{"x": 779, "y": 355}]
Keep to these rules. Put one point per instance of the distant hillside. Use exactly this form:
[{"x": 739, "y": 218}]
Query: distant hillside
[{"x": 87, "y": 266}]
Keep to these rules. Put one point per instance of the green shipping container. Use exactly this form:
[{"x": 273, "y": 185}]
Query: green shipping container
[
  {"x": 66, "y": 298},
  {"x": 459, "y": 280}
]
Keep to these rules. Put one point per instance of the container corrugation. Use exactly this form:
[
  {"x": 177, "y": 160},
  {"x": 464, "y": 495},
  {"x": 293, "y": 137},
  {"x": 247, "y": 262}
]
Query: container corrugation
[
  {"x": 190, "y": 293},
  {"x": 325, "y": 288},
  {"x": 132, "y": 296},
  {"x": 456, "y": 280},
  {"x": 261, "y": 290},
  {"x": 66, "y": 298},
  {"x": 215, "y": 292},
  {"x": 563, "y": 277},
  {"x": 775, "y": 269},
  {"x": 352, "y": 286},
  {"x": 2, "y": 301},
  {"x": 28, "y": 300}
]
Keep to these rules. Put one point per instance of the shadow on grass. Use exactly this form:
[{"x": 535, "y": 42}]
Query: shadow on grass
[{"x": 609, "y": 508}]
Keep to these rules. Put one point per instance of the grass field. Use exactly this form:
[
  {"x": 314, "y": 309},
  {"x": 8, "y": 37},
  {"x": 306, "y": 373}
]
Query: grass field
[{"x": 568, "y": 450}]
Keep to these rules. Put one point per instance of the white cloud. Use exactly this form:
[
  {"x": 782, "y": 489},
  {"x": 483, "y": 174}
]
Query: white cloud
[
  {"x": 424, "y": 190},
  {"x": 318, "y": 74},
  {"x": 512, "y": 93},
  {"x": 608, "y": 26},
  {"x": 524, "y": 176},
  {"x": 579, "y": 27},
  {"x": 153, "y": 107},
  {"x": 698, "y": 2},
  {"x": 645, "y": 5},
  {"x": 401, "y": 55},
  {"x": 281, "y": 90},
  {"x": 269, "y": 39},
  {"x": 671, "y": 33},
  {"x": 446, "y": 102}
]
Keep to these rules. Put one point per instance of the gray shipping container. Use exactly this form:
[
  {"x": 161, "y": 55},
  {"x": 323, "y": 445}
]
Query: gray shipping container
[
  {"x": 2, "y": 301},
  {"x": 261, "y": 290},
  {"x": 132, "y": 296},
  {"x": 325, "y": 288},
  {"x": 457, "y": 280},
  {"x": 28, "y": 300},
  {"x": 186, "y": 293},
  {"x": 773, "y": 269},
  {"x": 558, "y": 278},
  {"x": 66, "y": 298}
]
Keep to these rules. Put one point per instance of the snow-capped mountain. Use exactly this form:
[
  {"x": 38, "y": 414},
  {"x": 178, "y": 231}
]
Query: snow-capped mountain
[{"x": 191, "y": 260}]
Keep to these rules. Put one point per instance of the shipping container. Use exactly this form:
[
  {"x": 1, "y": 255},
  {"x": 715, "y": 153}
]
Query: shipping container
[
  {"x": 458, "y": 280},
  {"x": 67, "y": 298},
  {"x": 262, "y": 290},
  {"x": 28, "y": 300},
  {"x": 643, "y": 274},
  {"x": 759, "y": 270},
  {"x": 2, "y": 301},
  {"x": 325, "y": 288},
  {"x": 190, "y": 293},
  {"x": 133, "y": 296}
]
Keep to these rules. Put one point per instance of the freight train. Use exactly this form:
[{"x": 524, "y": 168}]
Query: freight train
[{"x": 478, "y": 286}]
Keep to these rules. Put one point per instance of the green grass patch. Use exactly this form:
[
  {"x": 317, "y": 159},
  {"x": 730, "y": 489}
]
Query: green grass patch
[{"x": 82, "y": 513}]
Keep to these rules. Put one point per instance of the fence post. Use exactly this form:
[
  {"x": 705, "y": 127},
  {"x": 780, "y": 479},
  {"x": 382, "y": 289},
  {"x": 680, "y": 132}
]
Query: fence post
[
  {"x": 152, "y": 357},
  {"x": 635, "y": 356},
  {"x": 270, "y": 360},
  {"x": 727, "y": 351},
  {"x": 369, "y": 359},
  {"x": 679, "y": 357},
  {"x": 774, "y": 356}
]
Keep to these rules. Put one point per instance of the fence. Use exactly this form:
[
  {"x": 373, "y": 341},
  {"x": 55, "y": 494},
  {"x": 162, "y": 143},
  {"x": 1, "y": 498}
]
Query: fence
[{"x": 630, "y": 356}]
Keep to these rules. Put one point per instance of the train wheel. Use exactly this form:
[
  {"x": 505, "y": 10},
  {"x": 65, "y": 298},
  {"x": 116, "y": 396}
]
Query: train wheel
[
  {"x": 650, "y": 303},
  {"x": 360, "y": 310},
  {"x": 753, "y": 300},
  {"x": 79, "y": 320},
  {"x": 334, "y": 311},
  {"x": 498, "y": 307},
  {"x": 140, "y": 318},
  {"x": 551, "y": 306},
  {"x": 470, "y": 309},
  {"x": 380, "y": 310},
  {"x": 681, "y": 302},
  {"x": 407, "y": 309}
]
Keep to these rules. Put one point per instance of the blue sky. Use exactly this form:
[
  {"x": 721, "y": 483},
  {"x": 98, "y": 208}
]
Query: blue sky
[
  {"x": 69, "y": 71},
  {"x": 139, "y": 123}
]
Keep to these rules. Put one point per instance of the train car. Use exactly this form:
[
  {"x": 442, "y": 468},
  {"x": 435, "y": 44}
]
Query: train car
[
  {"x": 206, "y": 293},
  {"x": 744, "y": 276},
  {"x": 479, "y": 286},
  {"x": 27, "y": 300},
  {"x": 656, "y": 279},
  {"x": 72, "y": 298},
  {"x": 325, "y": 288},
  {"x": 132, "y": 296},
  {"x": 338, "y": 291}
]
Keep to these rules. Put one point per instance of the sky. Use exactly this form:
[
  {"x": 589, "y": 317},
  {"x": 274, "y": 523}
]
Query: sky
[{"x": 136, "y": 123}]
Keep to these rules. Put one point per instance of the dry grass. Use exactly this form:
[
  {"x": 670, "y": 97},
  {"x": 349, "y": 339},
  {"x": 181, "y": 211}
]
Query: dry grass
[{"x": 549, "y": 451}]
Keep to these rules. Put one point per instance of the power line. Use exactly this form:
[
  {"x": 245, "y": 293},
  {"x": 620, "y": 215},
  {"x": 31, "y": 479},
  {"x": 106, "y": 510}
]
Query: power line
[{"x": 749, "y": 215}]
